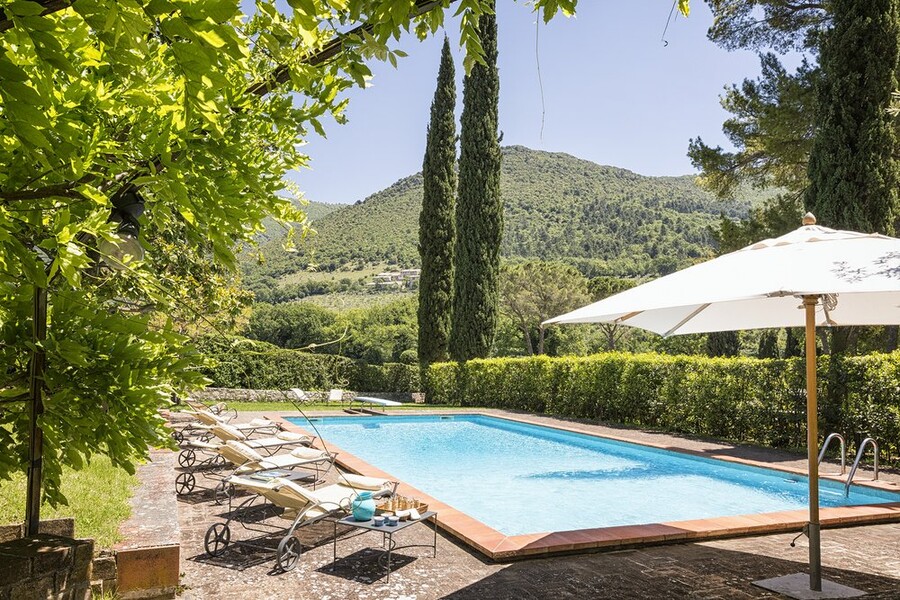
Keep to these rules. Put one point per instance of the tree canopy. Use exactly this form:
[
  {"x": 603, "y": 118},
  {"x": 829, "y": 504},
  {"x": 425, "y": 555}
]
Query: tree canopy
[{"x": 199, "y": 110}]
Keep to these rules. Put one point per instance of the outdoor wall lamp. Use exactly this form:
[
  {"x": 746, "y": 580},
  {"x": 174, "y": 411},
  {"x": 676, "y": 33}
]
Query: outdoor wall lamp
[{"x": 127, "y": 208}]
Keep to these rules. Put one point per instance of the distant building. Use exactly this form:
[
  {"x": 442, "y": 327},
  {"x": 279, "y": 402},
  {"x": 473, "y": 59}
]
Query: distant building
[{"x": 406, "y": 278}]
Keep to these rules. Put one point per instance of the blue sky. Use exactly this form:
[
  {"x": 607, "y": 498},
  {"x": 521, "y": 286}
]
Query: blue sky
[{"x": 614, "y": 94}]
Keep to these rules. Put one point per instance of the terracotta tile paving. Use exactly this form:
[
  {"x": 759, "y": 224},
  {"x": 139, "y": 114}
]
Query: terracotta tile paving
[{"x": 866, "y": 557}]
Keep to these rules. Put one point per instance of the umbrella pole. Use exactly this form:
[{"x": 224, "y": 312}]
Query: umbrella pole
[{"x": 812, "y": 446}]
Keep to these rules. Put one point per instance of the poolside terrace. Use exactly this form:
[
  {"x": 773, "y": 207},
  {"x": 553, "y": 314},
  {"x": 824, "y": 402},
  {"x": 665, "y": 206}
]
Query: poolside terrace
[{"x": 866, "y": 557}]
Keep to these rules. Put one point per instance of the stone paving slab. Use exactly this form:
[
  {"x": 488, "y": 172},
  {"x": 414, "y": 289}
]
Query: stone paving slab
[{"x": 867, "y": 558}]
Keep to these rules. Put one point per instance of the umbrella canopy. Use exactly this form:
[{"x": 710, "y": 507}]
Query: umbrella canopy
[
  {"x": 810, "y": 277},
  {"x": 758, "y": 287}
]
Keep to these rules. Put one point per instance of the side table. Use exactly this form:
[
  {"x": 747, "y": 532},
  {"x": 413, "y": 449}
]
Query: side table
[{"x": 388, "y": 545}]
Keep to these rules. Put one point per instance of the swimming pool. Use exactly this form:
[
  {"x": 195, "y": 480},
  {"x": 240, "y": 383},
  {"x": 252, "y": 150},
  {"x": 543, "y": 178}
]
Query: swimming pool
[{"x": 520, "y": 478}]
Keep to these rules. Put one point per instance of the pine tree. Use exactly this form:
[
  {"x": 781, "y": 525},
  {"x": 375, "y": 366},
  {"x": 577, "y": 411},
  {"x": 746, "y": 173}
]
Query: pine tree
[
  {"x": 853, "y": 171},
  {"x": 437, "y": 230},
  {"x": 479, "y": 208}
]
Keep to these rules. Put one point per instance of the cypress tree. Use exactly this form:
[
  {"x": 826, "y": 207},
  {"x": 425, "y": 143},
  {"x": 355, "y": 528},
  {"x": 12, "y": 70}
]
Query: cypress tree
[
  {"x": 853, "y": 171},
  {"x": 479, "y": 208},
  {"x": 437, "y": 231},
  {"x": 723, "y": 343}
]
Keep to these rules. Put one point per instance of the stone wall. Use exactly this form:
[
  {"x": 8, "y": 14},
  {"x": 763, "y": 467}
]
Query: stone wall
[
  {"x": 212, "y": 395},
  {"x": 52, "y": 564},
  {"x": 64, "y": 527},
  {"x": 46, "y": 566}
]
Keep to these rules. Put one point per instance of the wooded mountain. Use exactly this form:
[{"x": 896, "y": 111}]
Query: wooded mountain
[{"x": 603, "y": 220}]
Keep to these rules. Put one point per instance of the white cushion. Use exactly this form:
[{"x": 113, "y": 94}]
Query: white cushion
[
  {"x": 244, "y": 451},
  {"x": 227, "y": 432},
  {"x": 361, "y": 482},
  {"x": 290, "y": 436},
  {"x": 308, "y": 453}
]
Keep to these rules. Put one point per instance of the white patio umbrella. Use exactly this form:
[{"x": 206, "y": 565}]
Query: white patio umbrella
[{"x": 811, "y": 277}]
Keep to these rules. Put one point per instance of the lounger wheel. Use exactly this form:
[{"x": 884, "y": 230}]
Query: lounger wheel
[
  {"x": 223, "y": 492},
  {"x": 217, "y": 538},
  {"x": 289, "y": 551},
  {"x": 178, "y": 437},
  {"x": 184, "y": 483},
  {"x": 186, "y": 458},
  {"x": 218, "y": 462}
]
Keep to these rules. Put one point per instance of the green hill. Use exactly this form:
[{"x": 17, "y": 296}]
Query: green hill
[
  {"x": 314, "y": 211},
  {"x": 604, "y": 220}
]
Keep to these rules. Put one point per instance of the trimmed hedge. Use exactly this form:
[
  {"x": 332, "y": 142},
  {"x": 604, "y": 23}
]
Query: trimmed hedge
[
  {"x": 741, "y": 399},
  {"x": 279, "y": 369}
]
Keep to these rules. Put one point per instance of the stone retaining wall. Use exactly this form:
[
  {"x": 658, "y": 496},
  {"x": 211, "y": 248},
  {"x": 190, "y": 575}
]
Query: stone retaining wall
[
  {"x": 46, "y": 566},
  {"x": 243, "y": 395}
]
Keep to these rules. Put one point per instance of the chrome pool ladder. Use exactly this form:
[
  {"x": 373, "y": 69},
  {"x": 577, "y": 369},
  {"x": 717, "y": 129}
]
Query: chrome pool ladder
[
  {"x": 840, "y": 438},
  {"x": 859, "y": 455}
]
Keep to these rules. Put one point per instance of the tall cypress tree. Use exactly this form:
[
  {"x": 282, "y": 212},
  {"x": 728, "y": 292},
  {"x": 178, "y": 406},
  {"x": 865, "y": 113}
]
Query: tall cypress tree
[
  {"x": 479, "y": 208},
  {"x": 853, "y": 174},
  {"x": 437, "y": 230}
]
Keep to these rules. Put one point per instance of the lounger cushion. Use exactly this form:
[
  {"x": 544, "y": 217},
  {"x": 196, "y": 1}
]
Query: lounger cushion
[
  {"x": 290, "y": 436},
  {"x": 228, "y": 432},
  {"x": 206, "y": 417},
  {"x": 361, "y": 482},
  {"x": 262, "y": 423},
  {"x": 244, "y": 451},
  {"x": 308, "y": 453}
]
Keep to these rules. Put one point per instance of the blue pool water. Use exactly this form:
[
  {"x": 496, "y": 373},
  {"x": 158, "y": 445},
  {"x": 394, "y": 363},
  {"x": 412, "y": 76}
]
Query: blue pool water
[{"x": 520, "y": 478}]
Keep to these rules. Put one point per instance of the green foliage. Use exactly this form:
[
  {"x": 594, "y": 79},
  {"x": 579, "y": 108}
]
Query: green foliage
[
  {"x": 740, "y": 399},
  {"x": 254, "y": 365},
  {"x": 201, "y": 110},
  {"x": 378, "y": 333},
  {"x": 853, "y": 169},
  {"x": 772, "y": 128},
  {"x": 534, "y": 291},
  {"x": 437, "y": 228},
  {"x": 780, "y": 24},
  {"x": 773, "y": 219},
  {"x": 768, "y": 344},
  {"x": 479, "y": 207},
  {"x": 723, "y": 343},
  {"x": 293, "y": 325}
]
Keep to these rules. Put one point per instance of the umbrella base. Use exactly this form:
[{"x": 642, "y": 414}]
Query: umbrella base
[{"x": 797, "y": 586}]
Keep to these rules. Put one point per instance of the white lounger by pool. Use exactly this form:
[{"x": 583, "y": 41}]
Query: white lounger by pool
[{"x": 379, "y": 401}]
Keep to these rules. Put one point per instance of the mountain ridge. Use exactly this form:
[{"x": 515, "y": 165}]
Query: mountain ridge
[{"x": 602, "y": 219}]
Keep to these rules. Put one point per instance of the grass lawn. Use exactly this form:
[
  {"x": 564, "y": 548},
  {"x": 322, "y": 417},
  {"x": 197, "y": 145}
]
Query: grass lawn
[
  {"x": 98, "y": 499},
  {"x": 288, "y": 407}
]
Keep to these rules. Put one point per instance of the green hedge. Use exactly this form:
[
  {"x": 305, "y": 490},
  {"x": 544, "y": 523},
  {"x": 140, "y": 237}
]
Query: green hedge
[
  {"x": 264, "y": 368},
  {"x": 741, "y": 399}
]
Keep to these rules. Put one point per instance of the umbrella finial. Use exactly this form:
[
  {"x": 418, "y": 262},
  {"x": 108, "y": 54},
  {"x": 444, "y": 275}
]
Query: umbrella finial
[{"x": 809, "y": 219}]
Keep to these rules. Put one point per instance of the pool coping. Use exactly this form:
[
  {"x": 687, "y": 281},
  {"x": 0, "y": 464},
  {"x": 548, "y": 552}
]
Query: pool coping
[{"x": 501, "y": 547}]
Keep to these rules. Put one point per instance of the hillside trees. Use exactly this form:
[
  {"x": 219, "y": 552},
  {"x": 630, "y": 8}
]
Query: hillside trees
[
  {"x": 479, "y": 207},
  {"x": 191, "y": 106},
  {"x": 437, "y": 229}
]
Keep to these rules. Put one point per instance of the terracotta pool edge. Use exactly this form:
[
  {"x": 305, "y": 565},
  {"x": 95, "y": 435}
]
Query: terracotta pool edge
[{"x": 502, "y": 548}]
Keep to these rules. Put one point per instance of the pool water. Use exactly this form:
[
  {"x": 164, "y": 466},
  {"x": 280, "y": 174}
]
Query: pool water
[{"x": 520, "y": 478}]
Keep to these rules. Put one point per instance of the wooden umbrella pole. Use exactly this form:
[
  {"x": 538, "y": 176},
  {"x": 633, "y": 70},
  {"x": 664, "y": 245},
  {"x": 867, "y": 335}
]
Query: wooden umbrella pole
[{"x": 812, "y": 446}]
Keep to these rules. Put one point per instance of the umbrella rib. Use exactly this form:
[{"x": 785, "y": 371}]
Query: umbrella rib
[
  {"x": 628, "y": 316},
  {"x": 699, "y": 309}
]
